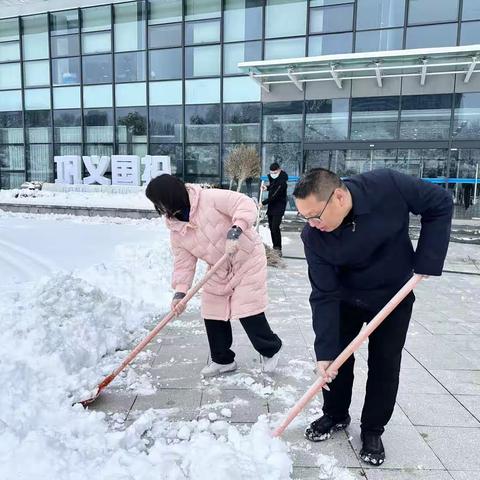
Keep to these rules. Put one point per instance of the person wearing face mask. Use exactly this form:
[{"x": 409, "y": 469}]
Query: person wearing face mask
[
  {"x": 276, "y": 203},
  {"x": 359, "y": 254},
  {"x": 204, "y": 224}
]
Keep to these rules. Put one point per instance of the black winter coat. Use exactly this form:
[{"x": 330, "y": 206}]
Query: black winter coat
[
  {"x": 277, "y": 194},
  {"x": 366, "y": 261}
]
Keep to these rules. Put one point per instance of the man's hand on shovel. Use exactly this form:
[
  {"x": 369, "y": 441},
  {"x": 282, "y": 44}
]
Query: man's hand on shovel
[{"x": 321, "y": 371}]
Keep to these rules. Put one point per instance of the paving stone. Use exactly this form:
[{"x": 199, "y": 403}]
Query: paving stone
[
  {"x": 407, "y": 474},
  {"x": 459, "y": 382},
  {"x": 471, "y": 403}
]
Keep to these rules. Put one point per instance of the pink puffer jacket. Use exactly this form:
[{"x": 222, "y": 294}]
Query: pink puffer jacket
[{"x": 239, "y": 288}]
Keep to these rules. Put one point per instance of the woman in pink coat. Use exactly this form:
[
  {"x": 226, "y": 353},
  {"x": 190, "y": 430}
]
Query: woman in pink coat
[{"x": 204, "y": 224}]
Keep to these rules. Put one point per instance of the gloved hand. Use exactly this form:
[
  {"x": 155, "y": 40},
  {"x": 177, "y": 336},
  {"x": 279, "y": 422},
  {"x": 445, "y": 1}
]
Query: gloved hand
[
  {"x": 231, "y": 245},
  {"x": 321, "y": 371},
  {"x": 179, "y": 309}
]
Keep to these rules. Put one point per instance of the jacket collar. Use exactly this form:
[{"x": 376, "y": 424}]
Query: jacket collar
[
  {"x": 361, "y": 202},
  {"x": 194, "y": 197}
]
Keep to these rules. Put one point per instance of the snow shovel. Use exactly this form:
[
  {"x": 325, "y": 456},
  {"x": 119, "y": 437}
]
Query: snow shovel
[
  {"x": 107, "y": 380},
  {"x": 349, "y": 350}
]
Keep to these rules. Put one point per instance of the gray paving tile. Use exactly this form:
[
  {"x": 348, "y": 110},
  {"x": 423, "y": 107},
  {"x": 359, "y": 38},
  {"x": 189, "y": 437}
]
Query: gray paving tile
[
  {"x": 410, "y": 474},
  {"x": 454, "y": 446},
  {"x": 185, "y": 401},
  {"x": 182, "y": 375},
  {"x": 419, "y": 380},
  {"x": 180, "y": 354},
  {"x": 404, "y": 448},
  {"x": 471, "y": 403},
  {"x": 435, "y": 410},
  {"x": 313, "y": 473},
  {"x": 113, "y": 401},
  {"x": 463, "y": 475},
  {"x": 245, "y": 406},
  {"x": 459, "y": 382}
]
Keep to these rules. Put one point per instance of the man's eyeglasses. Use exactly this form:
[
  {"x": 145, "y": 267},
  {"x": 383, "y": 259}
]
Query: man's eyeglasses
[{"x": 318, "y": 218}]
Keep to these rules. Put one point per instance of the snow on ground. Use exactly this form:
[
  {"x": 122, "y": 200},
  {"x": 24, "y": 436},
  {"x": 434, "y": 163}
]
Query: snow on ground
[{"x": 77, "y": 293}]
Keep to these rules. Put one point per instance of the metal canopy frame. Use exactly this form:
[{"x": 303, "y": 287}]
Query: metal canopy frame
[{"x": 379, "y": 66}]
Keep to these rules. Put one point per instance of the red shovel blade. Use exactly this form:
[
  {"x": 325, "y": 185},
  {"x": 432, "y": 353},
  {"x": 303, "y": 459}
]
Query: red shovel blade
[{"x": 106, "y": 381}]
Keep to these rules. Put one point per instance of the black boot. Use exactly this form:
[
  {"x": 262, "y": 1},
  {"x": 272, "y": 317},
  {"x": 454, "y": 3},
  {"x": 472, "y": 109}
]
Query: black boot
[
  {"x": 372, "y": 449},
  {"x": 322, "y": 428}
]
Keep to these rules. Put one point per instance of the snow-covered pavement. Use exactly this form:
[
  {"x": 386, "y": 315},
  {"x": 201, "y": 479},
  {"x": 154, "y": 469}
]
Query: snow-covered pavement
[{"x": 77, "y": 293}]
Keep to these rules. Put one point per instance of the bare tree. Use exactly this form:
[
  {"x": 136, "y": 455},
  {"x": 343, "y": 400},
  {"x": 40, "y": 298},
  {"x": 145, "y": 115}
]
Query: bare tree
[{"x": 242, "y": 163}]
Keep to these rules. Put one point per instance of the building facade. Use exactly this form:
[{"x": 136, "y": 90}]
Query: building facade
[{"x": 163, "y": 78}]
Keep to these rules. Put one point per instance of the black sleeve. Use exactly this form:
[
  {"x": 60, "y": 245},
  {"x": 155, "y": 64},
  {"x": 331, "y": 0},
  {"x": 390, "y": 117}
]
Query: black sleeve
[
  {"x": 325, "y": 305},
  {"x": 435, "y": 205},
  {"x": 278, "y": 191}
]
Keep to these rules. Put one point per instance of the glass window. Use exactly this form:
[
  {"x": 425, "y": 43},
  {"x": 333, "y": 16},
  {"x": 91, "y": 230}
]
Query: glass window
[
  {"x": 37, "y": 99},
  {"x": 379, "y": 40},
  {"x": 323, "y": 3},
  {"x": 425, "y": 117},
  {"x": 64, "y": 22},
  {"x": 471, "y": 10},
  {"x": 163, "y": 36},
  {"x": 164, "y": 11},
  {"x": 285, "y": 18},
  {"x": 334, "y": 160},
  {"x": 288, "y": 155},
  {"x": 288, "y": 48},
  {"x": 242, "y": 20},
  {"x": 12, "y": 157},
  {"x": 424, "y": 162},
  {"x": 165, "y": 93},
  {"x": 9, "y": 51},
  {"x": 35, "y": 37},
  {"x": 331, "y": 19},
  {"x": 99, "y": 42},
  {"x": 374, "y": 118},
  {"x": 202, "y": 61},
  {"x": 10, "y": 76},
  {"x": 99, "y": 149},
  {"x": 65, "y": 46},
  {"x": 38, "y": 123},
  {"x": 432, "y": 36},
  {"x": 67, "y": 126},
  {"x": 380, "y": 13},
  {"x": 240, "y": 89},
  {"x": 97, "y": 69},
  {"x": 165, "y": 64},
  {"x": 130, "y": 67},
  {"x": 36, "y": 73},
  {"x": 202, "y": 91},
  {"x": 10, "y": 101},
  {"x": 66, "y": 71},
  {"x": 175, "y": 152},
  {"x": 131, "y": 125},
  {"x": 139, "y": 149},
  {"x": 202, "y": 32},
  {"x": 11, "y": 127},
  {"x": 9, "y": 30},
  {"x": 470, "y": 33},
  {"x": 66, "y": 97},
  {"x": 233, "y": 53},
  {"x": 201, "y": 161},
  {"x": 129, "y": 26},
  {"x": 467, "y": 116},
  {"x": 241, "y": 122},
  {"x": 65, "y": 149},
  {"x": 166, "y": 125},
  {"x": 97, "y": 96},
  {"x": 96, "y": 18},
  {"x": 330, "y": 44},
  {"x": 282, "y": 122},
  {"x": 130, "y": 94},
  {"x": 250, "y": 186},
  {"x": 202, "y": 123},
  {"x": 432, "y": 11},
  {"x": 200, "y": 9},
  {"x": 40, "y": 165},
  {"x": 326, "y": 120},
  {"x": 98, "y": 126}
]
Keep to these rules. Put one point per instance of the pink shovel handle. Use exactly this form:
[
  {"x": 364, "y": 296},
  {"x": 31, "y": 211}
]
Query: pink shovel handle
[{"x": 349, "y": 350}]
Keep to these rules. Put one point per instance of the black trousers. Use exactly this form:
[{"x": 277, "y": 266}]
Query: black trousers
[
  {"x": 384, "y": 356},
  {"x": 220, "y": 339},
  {"x": 274, "y": 222}
]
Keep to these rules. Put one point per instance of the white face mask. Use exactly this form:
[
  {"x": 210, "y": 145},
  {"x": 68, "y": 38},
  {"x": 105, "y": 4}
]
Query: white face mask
[{"x": 274, "y": 175}]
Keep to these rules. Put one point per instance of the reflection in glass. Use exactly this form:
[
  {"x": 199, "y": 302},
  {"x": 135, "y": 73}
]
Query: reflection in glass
[
  {"x": 241, "y": 122},
  {"x": 64, "y": 22},
  {"x": 287, "y": 48},
  {"x": 201, "y": 161},
  {"x": 166, "y": 64},
  {"x": 330, "y": 44},
  {"x": 202, "y": 123},
  {"x": 424, "y": 162},
  {"x": 65, "y": 46},
  {"x": 130, "y": 67},
  {"x": 379, "y": 40},
  {"x": 100, "y": 42},
  {"x": 287, "y": 155},
  {"x": 374, "y": 118},
  {"x": 131, "y": 125},
  {"x": 470, "y": 33},
  {"x": 326, "y": 120},
  {"x": 67, "y": 126},
  {"x": 202, "y": 61},
  {"x": 164, "y": 11},
  {"x": 285, "y": 18},
  {"x": 12, "y": 157},
  {"x": 242, "y": 20},
  {"x": 11, "y": 127},
  {"x": 36, "y": 74},
  {"x": 66, "y": 71},
  {"x": 282, "y": 122},
  {"x": 162, "y": 36},
  {"x": 466, "y": 124},
  {"x": 471, "y": 10},
  {"x": 97, "y": 69},
  {"x": 96, "y": 18},
  {"x": 233, "y": 53},
  {"x": 173, "y": 151},
  {"x": 202, "y": 32},
  {"x": 432, "y": 11},
  {"x": 380, "y": 13},
  {"x": 338, "y": 18},
  {"x": 129, "y": 26},
  {"x": 98, "y": 125},
  {"x": 432, "y": 36},
  {"x": 35, "y": 37},
  {"x": 166, "y": 124},
  {"x": 201, "y": 9},
  {"x": 38, "y": 125}
]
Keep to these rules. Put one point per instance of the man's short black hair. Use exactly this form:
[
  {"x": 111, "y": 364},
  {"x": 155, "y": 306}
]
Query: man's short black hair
[
  {"x": 274, "y": 166},
  {"x": 319, "y": 182}
]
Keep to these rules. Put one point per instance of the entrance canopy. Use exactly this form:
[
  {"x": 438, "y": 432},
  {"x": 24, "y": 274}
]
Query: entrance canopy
[{"x": 378, "y": 66}]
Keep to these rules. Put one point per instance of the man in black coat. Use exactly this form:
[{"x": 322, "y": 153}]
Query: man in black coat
[
  {"x": 277, "y": 202},
  {"x": 359, "y": 254}
]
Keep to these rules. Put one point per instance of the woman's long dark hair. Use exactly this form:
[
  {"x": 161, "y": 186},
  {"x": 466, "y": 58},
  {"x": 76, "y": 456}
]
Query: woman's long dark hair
[{"x": 168, "y": 195}]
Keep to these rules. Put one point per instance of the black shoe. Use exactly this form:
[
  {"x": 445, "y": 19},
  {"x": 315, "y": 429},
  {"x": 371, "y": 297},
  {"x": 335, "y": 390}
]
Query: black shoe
[
  {"x": 372, "y": 449},
  {"x": 322, "y": 428}
]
